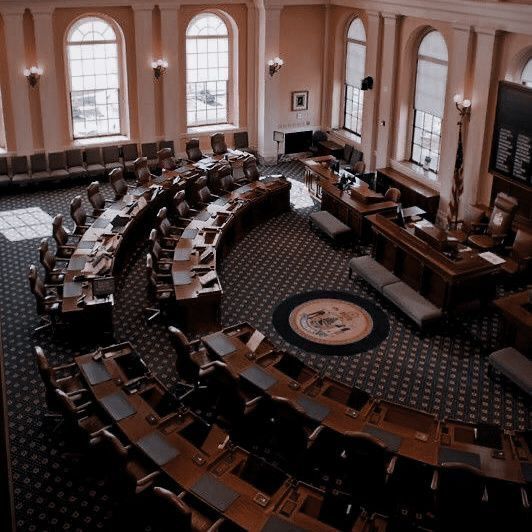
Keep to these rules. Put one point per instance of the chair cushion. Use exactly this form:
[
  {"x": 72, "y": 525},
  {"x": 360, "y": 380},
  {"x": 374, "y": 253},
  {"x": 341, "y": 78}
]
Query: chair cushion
[
  {"x": 111, "y": 166},
  {"x": 4, "y": 180},
  {"x": 40, "y": 176},
  {"x": 21, "y": 178},
  {"x": 76, "y": 171},
  {"x": 371, "y": 271},
  {"x": 412, "y": 303},
  {"x": 515, "y": 366},
  {"x": 59, "y": 174},
  {"x": 329, "y": 224},
  {"x": 95, "y": 169}
]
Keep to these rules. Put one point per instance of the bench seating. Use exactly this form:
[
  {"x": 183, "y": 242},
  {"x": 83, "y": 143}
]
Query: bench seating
[
  {"x": 372, "y": 272},
  {"x": 412, "y": 303},
  {"x": 515, "y": 366},
  {"x": 330, "y": 225}
]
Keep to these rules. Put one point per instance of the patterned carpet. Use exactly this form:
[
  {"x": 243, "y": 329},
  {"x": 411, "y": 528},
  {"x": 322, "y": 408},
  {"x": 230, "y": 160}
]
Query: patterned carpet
[{"x": 445, "y": 373}]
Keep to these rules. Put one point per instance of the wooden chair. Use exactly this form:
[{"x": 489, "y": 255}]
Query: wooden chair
[
  {"x": 519, "y": 260},
  {"x": 393, "y": 194}
]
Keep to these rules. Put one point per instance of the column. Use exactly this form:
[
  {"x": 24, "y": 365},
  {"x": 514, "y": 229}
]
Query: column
[
  {"x": 269, "y": 22},
  {"x": 145, "y": 79},
  {"x": 386, "y": 90},
  {"x": 251, "y": 82},
  {"x": 369, "y": 113},
  {"x": 173, "y": 85},
  {"x": 456, "y": 76},
  {"x": 18, "y": 84},
  {"x": 327, "y": 67},
  {"x": 476, "y": 129},
  {"x": 48, "y": 86}
]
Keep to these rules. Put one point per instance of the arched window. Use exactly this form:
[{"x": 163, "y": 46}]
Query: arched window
[
  {"x": 526, "y": 76},
  {"x": 207, "y": 50},
  {"x": 355, "y": 66},
  {"x": 429, "y": 101},
  {"x": 94, "y": 63}
]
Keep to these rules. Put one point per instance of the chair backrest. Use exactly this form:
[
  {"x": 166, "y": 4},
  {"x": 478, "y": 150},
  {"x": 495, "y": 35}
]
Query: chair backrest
[
  {"x": 3, "y": 166},
  {"x": 57, "y": 160},
  {"x": 96, "y": 198},
  {"x": 167, "y": 144},
  {"x": 77, "y": 212},
  {"x": 130, "y": 152},
  {"x": 193, "y": 150},
  {"x": 155, "y": 246},
  {"x": 118, "y": 183},
  {"x": 46, "y": 257},
  {"x": 459, "y": 487},
  {"x": 19, "y": 164},
  {"x": 359, "y": 167},
  {"x": 45, "y": 370},
  {"x": 150, "y": 273},
  {"x": 166, "y": 159},
  {"x": 179, "y": 341},
  {"x": 142, "y": 172},
  {"x": 74, "y": 158},
  {"x": 356, "y": 156},
  {"x": 393, "y": 194},
  {"x": 241, "y": 140},
  {"x": 108, "y": 438},
  {"x": 502, "y": 215},
  {"x": 172, "y": 513},
  {"x": 181, "y": 207},
  {"x": 472, "y": 215},
  {"x": 163, "y": 223},
  {"x": 250, "y": 169},
  {"x": 38, "y": 162},
  {"x": 348, "y": 152},
  {"x": 226, "y": 182},
  {"x": 522, "y": 246},
  {"x": 219, "y": 147},
  {"x": 318, "y": 136},
  {"x": 37, "y": 287},
  {"x": 203, "y": 192},
  {"x": 58, "y": 231},
  {"x": 111, "y": 154},
  {"x": 93, "y": 156},
  {"x": 149, "y": 150}
]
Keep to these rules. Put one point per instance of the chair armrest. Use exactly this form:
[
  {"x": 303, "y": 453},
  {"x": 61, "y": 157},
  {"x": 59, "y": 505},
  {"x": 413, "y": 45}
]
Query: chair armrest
[
  {"x": 83, "y": 407},
  {"x": 208, "y": 368},
  {"x": 65, "y": 366},
  {"x": 214, "y": 196},
  {"x": 216, "y": 526},
  {"x": 485, "y": 495},
  {"x": 391, "y": 466},
  {"x": 314, "y": 435},
  {"x": 148, "y": 478},
  {"x": 68, "y": 246},
  {"x": 435, "y": 480},
  {"x": 524, "y": 499},
  {"x": 51, "y": 298},
  {"x": 251, "y": 404}
]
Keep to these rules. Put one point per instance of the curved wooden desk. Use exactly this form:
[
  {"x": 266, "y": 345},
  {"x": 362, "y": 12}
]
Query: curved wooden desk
[{"x": 208, "y": 236}]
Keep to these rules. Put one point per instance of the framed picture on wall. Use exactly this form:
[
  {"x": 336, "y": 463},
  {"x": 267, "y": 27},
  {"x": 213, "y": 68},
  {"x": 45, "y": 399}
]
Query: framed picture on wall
[{"x": 300, "y": 101}]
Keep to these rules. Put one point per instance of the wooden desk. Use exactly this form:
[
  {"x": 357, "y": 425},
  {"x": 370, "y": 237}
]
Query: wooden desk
[
  {"x": 365, "y": 194},
  {"x": 413, "y": 193},
  {"x": 328, "y": 147},
  {"x": 449, "y": 284},
  {"x": 517, "y": 313},
  {"x": 351, "y": 211},
  {"x": 317, "y": 170}
]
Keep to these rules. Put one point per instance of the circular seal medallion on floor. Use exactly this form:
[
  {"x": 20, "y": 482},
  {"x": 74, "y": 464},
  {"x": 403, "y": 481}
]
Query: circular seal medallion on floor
[{"x": 330, "y": 322}]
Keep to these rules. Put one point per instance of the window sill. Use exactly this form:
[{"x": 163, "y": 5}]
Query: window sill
[
  {"x": 417, "y": 173},
  {"x": 211, "y": 129},
  {"x": 345, "y": 136},
  {"x": 102, "y": 141}
]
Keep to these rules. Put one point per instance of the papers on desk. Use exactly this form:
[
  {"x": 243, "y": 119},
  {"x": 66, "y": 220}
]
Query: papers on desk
[
  {"x": 491, "y": 257},
  {"x": 423, "y": 223}
]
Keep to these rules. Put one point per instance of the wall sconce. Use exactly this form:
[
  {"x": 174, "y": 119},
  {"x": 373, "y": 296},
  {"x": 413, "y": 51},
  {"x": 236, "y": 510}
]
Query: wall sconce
[
  {"x": 275, "y": 65},
  {"x": 463, "y": 106},
  {"x": 33, "y": 74},
  {"x": 366, "y": 84},
  {"x": 159, "y": 67}
]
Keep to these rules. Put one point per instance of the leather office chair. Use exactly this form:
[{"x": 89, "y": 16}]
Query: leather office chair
[
  {"x": 39, "y": 168},
  {"x": 163, "y": 257},
  {"x": 49, "y": 261},
  {"x": 169, "y": 144},
  {"x": 173, "y": 513},
  {"x": 142, "y": 172},
  {"x": 190, "y": 355},
  {"x": 75, "y": 164},
  {"x": 65, "y": 242},
  {"x": 79, "y": 216},
  {"x": 47, "y": 299},
  {"x": 193, "y": 150},
  {"x": 64, "y": 377},
  {"x": 111, "y": 158},
  {"x": 182, "y": 209},
  {"x": 520, "y": 254},
  {"x": 499, "y": 225},
  {"x": 149, "y": 150},
  {"x": 359, "y": 167},
  {"x": 203, "y": 195},
  {"x": 251, "y": 172},
  {"x": 160, "y": 286},
  {"x": 169, "y": 234},
  {"x": 118, "y": 183},
  {"x": 228, "y": 402},
  {"x": 222, "y": 180},
  {"x": 140, "y": 474},
  {"x": 130, "y": 153},
  {"x": 460, "y": 493},
  {"x": 96, "y": 198},
  {"x": 219, "y": 147},
  {"x": 393, "y": 194},
  {"x": 94, "y": 160},
  {"x": 166, "y": 159}
]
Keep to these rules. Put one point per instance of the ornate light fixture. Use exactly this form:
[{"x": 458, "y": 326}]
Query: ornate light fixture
[
  {"x": 159, "y": 67},
  {"x": 275, "y": 65},
  {"x": 464, "y": 110},
  {"x": 33, "y": 74}
]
